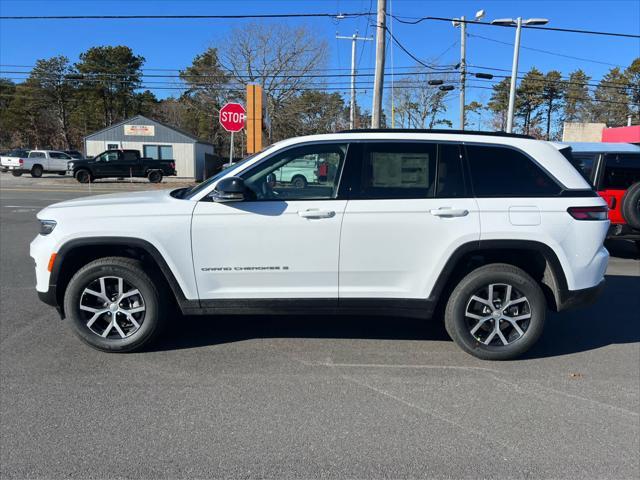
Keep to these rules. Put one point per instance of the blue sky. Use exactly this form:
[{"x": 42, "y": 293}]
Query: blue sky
[{"x": 174, "y": 43}]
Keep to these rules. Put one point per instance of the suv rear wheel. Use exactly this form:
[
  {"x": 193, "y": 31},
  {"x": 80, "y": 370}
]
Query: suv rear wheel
[
  {"x": 114, "y": 306},
  {"x": 496, "y": 312}
]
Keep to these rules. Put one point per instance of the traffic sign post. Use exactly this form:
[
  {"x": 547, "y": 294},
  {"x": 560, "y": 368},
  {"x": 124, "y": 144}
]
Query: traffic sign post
[{"x": 232, "y": 119}]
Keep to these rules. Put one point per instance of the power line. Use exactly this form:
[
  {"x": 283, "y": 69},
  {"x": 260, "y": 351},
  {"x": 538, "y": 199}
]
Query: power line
[
  {"x": 548, "y": 52},
  {"x": 416, "y": 20},
  {"x": 416, "y": 59},
  {"x": 339, "y": 16}
]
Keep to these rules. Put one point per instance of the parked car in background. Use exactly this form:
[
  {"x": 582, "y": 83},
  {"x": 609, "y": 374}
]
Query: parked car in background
[
  {"x": 75, "y": 154},
  {"x": 6, "y": 157},
  {"x": 613, "y": 169},
  {"x": 37, "y": 162},
  {"x": 120, "y": 164},
  {"x": 298, "y": 173}
]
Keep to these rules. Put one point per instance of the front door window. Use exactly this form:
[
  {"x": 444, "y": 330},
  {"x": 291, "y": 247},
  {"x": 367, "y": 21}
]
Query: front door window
[{"x": 310, "y": 172}]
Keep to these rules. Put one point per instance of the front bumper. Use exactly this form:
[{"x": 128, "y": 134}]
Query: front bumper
[{"x": 570, "y": 299}]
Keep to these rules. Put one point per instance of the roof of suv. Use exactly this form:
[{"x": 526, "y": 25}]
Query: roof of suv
[{"x": 438, "y": 131}]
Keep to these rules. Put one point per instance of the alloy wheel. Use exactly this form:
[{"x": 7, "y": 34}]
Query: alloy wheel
[
  {"x": 112, "y": 307},
  {"x": 498, "y": 314}
]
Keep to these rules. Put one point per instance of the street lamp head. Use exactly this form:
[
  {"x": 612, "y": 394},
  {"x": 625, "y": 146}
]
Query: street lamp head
[
  {"x": 535, "y": 21},
  {"x": 503, "y": 21},
  {"x": 479, "y": 15}
]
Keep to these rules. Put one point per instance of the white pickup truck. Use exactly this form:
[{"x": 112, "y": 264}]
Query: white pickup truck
[{"x": 36, "y": 162}]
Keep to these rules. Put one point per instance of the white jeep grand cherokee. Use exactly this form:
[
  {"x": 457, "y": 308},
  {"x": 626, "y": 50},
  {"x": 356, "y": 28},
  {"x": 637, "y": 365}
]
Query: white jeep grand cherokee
[{"x": 485, "y": 230}]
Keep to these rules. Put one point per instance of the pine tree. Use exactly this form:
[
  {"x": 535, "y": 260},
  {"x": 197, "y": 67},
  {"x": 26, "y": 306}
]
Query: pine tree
[
  {"x": 552, "y": 91},
  {"x": 611, "y": 99},
  {"x": 577, "y": 100}
]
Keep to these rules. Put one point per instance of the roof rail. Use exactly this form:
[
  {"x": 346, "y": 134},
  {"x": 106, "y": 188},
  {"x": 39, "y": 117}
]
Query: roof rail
[{"x": 436, "y": 130}]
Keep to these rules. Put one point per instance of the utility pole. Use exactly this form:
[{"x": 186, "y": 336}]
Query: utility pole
[
  {"x": 463, "y": 65},
  {"x": 354, "y": 38},
  {"x": 378, "y": 82},
  {"x": 461, "y": 22}
]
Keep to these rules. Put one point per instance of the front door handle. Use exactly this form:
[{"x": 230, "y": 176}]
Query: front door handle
[
  {"x": 449, "y": 212},
  {"x": 317, "y": 213}
]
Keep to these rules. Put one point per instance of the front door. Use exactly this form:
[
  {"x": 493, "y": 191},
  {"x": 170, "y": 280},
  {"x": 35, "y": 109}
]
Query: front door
[
  {"x": 107, "y": 164},
  {"x": 281, "y": 242},
  {"x": 408, "y": 211}
]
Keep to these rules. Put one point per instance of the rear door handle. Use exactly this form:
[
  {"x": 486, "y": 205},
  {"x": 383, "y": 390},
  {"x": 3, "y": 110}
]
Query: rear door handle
[
  {"x": 317, "y": 213},
  {"x": 449, "y": 212}
]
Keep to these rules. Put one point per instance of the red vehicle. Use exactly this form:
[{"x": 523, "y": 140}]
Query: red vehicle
[{"x": 613, "y": 169}]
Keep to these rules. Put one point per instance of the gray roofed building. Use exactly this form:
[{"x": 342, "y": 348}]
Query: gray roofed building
[{"x": 156, "y": 140}]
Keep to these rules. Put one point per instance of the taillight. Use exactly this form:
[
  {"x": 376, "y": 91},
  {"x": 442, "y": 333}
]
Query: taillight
[
  {"x": 21, "y": 162},
  {"x": 588, "y": 213},
  {"x": 172, "y": 165}
]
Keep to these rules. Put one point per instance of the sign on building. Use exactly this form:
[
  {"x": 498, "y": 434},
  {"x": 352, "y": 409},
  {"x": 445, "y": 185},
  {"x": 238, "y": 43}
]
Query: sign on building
[{"x": 140, "y": 130}]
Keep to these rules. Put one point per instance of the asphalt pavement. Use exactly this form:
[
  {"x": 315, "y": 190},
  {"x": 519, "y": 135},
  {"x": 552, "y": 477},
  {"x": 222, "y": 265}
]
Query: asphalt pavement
[{"x": 302, "y": 397}]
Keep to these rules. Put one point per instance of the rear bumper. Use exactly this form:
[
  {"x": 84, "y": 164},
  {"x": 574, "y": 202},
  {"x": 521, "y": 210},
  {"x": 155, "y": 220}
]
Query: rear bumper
[{"x": 569, "y": 299}]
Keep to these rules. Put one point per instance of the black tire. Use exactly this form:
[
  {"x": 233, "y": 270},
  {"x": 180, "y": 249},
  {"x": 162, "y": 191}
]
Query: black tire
[
  {"x": 153, "y": 319},
  {"x": 298, "y": 181},
  {"x": 83, "y": 176},
  {"x": 36, "y": 171},
  {"x": 154, "y": 176},
  {"x": 630, "y": 207},
  {"x": 459, "y": 326},
  {"x": 16, "y": 174}
]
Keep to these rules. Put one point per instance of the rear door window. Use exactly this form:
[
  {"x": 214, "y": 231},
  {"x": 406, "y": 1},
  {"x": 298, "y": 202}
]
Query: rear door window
[
  {"x": 620, "y": 171},
  {"x": 506, "y": 172},
  {"x": 396, "y": 170}
]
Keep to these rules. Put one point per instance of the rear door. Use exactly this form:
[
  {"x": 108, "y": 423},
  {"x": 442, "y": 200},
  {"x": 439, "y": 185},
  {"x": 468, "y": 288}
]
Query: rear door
[
  {"x": 409, "y": 208},
  {"x": 58, "y": 161}
]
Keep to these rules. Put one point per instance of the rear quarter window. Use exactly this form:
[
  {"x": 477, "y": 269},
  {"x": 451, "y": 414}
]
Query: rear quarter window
[{"x": 506, "y": 172}]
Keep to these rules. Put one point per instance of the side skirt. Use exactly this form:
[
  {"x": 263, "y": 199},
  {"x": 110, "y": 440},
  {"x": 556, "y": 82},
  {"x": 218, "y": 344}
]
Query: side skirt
[{"x": 312, "y": 306}]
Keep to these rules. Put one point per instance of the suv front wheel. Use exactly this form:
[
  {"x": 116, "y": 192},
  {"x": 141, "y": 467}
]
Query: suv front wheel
[
  {"x": 497, "y": 312},
  {"x": 114, "y": 306}
]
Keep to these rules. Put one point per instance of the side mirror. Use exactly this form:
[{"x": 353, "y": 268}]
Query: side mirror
[{"x": 230, "y": 189}]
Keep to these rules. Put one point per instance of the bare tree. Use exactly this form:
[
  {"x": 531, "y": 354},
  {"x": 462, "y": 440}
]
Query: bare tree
[
  {"x": 418, "y": 104},
  {"x": 278, "y": 57}
]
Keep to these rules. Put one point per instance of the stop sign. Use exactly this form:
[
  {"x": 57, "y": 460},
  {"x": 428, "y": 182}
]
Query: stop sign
[{"x": 232, "y": 117}]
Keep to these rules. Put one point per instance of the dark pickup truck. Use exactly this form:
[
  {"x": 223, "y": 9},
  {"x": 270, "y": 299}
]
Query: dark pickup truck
[{"x": 120, "y": 164}]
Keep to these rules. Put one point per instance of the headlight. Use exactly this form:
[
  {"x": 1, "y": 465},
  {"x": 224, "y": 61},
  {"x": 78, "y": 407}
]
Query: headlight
[
  {"x": 69, "y": 165},
  {"x": 47, "y": 226}
]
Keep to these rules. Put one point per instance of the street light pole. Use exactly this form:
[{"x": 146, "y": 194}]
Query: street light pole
[
  {"x": 514, "y": 75},
  {"x": 518, "y": 22},
  {"x": 352, "y": 111}
]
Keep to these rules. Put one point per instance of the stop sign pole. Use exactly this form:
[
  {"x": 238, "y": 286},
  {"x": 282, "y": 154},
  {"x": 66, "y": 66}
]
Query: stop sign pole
[{"x": 232, "y": 118}]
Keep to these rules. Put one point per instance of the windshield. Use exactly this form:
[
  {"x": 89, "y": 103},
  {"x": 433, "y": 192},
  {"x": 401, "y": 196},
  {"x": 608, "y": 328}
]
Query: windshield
[{"x": 188, "y": 194}]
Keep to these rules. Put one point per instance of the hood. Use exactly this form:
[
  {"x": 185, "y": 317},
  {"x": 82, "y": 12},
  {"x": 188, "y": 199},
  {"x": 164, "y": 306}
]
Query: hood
[{"x": 134, "y": 199}]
